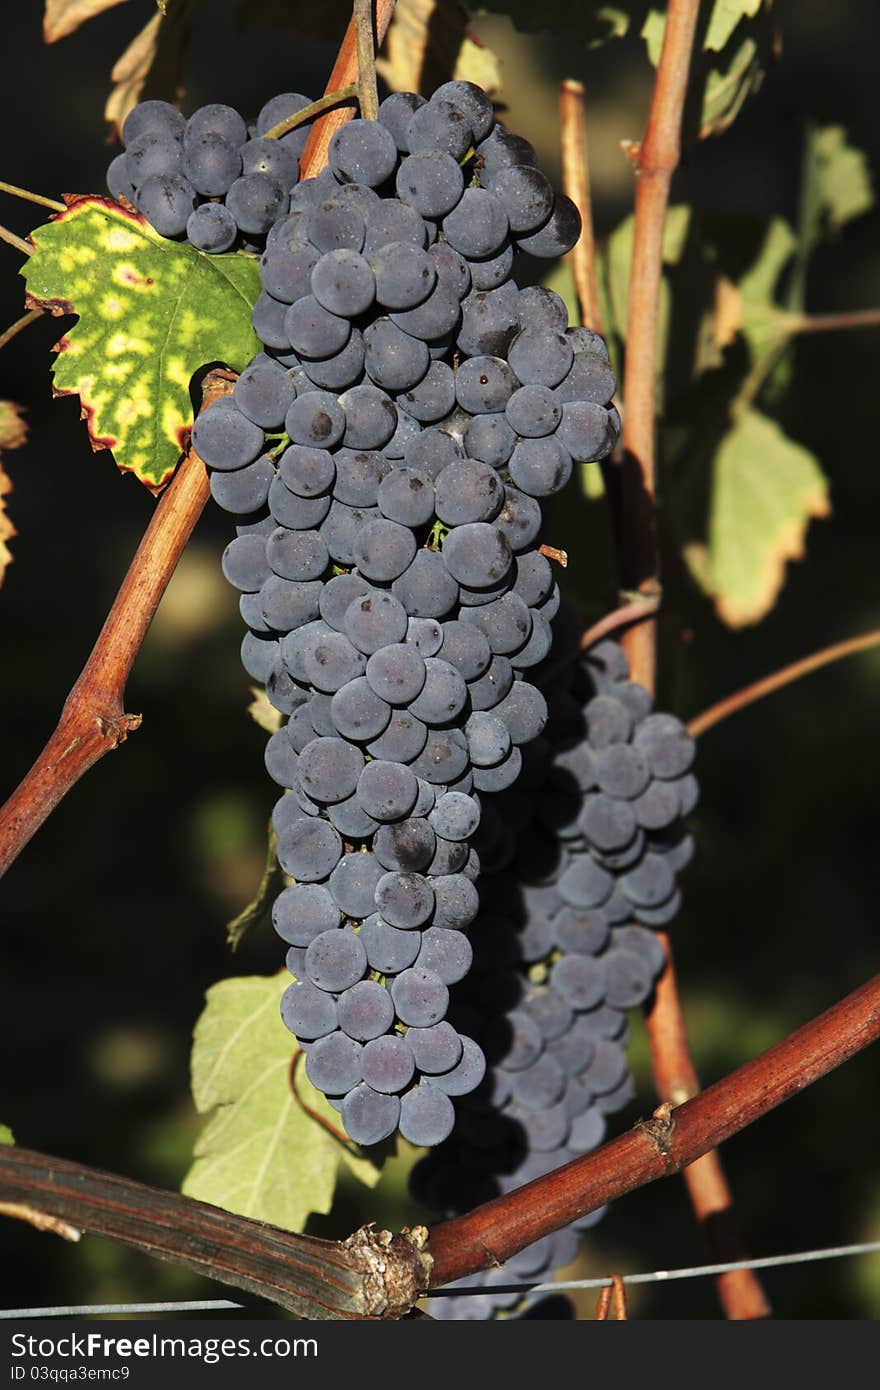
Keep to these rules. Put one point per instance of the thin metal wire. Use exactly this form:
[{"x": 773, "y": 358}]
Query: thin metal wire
[
  {"x": 86, "y": 1310},
  {"x": 657, "y": 1276}
]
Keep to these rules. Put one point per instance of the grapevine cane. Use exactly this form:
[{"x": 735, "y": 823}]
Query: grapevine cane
[{"x": 328, "y": 1279}]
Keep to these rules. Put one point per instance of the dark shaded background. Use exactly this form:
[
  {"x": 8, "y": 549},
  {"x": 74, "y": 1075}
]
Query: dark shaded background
[{"x": 113, "y": 918}]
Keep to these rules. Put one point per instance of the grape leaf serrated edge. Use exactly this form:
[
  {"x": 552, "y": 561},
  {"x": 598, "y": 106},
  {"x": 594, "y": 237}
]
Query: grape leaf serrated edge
[{"x": 171, "y": 418}]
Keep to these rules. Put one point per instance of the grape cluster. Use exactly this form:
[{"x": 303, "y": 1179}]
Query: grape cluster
[
  {"x": 563, "y": 947},
  {"x": 211, "y": 178},
  {"x": 386, "y": 456}
]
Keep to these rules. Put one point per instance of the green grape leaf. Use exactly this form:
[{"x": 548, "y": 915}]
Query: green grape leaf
[
  {"x": 6, "y": 1135},
  {"x": 847, "y": 191},
  {"x": 765, "y": 489},
  {"x": 725, "y": 16},
  {"x": 260, "y": 1154},
  {"x": 728, "y": 86},
  {"x": 722, "y": 22},
  {"x": 151, "y": 313},
  {"x": 838, "y": 183},
  {"x": 736, "y": 42}
]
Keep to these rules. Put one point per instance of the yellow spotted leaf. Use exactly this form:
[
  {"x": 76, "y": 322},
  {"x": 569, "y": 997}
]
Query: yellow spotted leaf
[
  {"x": 766, "y": 489},
  {"x": 151, "y": 313},
  {"x": 261, "y": 1154},
  {"x": 13, "y": 433}
]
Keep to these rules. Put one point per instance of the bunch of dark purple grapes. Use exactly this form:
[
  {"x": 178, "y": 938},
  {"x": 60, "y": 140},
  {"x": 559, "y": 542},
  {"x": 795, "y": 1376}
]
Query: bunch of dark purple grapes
[
  {"x": 210, "y": 178},
  {"x": 387, "y": 455},
  {"x": 579, "y": 862}
]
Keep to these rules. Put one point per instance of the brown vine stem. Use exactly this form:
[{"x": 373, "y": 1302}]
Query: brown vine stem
[
  {"x": 631, "y": 492},
  {"x": 14, "y": 329},
  {"x": 93, "y": 721},
  {"x": 344, "y": 73},
  {"x": 576, "y": 183},
  {"x": 766, "y": 686},
  {"x": 368, "y": 93},
  {"x": 636, "y": 612},
  {"x": 656, "y": 1148},
  {"x": 328, "y": 1279},
  {"x": 833, "y": 323}
]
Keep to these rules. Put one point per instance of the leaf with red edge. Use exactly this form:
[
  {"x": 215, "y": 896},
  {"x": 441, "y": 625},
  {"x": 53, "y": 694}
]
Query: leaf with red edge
[{"x": 151, "y": 313}]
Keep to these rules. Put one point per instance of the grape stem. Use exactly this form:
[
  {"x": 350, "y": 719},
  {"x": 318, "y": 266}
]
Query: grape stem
[
  {"x": 344, "y": 72},
  {"x": 631, "y": 489},
  {"x": 18, "y": 242},
  {"x": 635, "y": 612},
  {"x": 777, "y": 679},
  {"x": 313, "y": 109},
  {"x": 29, "y": 197},
  {"x": 368, "y": 94},
  {"x": 337, "y": 1134},
  {"x": 14, "y": 329},
  {"x": 93, "y": 721},
  {"x": 330, "y": 1279}
]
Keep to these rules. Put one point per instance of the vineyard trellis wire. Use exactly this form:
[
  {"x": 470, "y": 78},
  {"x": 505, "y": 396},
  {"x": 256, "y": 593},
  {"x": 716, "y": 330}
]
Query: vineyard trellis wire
[{"x": 604, "y": 1281}]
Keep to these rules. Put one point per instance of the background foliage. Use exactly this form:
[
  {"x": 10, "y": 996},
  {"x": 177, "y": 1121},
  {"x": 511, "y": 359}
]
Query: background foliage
[{"x": 114, "y": 919}]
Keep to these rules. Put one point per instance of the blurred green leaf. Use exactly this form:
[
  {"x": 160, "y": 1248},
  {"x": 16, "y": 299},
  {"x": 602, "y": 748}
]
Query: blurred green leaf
[
  {"x": 590, "y": 21},
  {"x": 151, "y": 313},
  {"x": 617, "y": 255},
  {"x": 6, "y": 1135},
  {"x": 835, "y": 188},
  {"x": 736, "y": 42},
  {"x": 260, "y": 1154},
  {"x": 842, "y": 175},
  {"x": 726, "y": 15},
  {"x": 561, "y": 281},
  {"x": 728, "y": 87},
  {"x": 259, "y": 908},
  {"x": 763, "y": 323},
  {"x": 719, "y": 28},
  {"x": 765, "y": 490}
]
